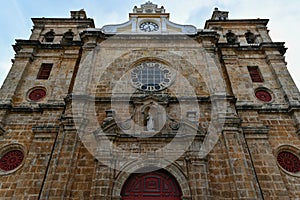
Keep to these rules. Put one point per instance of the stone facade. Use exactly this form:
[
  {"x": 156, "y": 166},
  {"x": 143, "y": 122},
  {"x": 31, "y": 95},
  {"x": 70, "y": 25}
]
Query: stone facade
[{"x": 84, "y": 110}]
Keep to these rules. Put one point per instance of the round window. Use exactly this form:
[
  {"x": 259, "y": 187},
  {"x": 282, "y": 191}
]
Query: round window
[
  {"x": 37, "y": 94},
  {"x": 151, "y": 76},
  {"x": 263, "y": 95},
  {"x": 289, "y": 161},
  {"x": 11, "y": 160}
]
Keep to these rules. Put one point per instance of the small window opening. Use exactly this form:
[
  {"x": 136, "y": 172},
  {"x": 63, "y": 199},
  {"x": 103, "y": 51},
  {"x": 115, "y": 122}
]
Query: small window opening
[
  {"x": 49, "y": 36},
  {"x": 255, "y": 74},
  {"x": 45, "y": 70},
  {"x": 231, "y": 38},
  {"x": 68, "y": 36},
  {"x": 250, "y": 37}
]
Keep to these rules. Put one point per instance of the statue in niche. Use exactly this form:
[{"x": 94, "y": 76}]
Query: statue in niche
[{"x": 150, "y": 122}]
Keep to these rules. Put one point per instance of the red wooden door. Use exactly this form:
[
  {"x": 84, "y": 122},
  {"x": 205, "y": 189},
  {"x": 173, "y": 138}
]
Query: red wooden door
[{"x": 157, "y": 185}]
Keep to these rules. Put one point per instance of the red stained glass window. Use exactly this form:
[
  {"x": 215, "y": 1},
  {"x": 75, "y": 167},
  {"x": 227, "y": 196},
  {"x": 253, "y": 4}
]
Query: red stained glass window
[
  {"x": 289, "y": 161},
  {"x": 45, "y": 70},
  {"x": 255, "y": 74},
  {"x": 263, "y": 95},
  {"x": 37, "y": 94},
  {"x": 11, "y": 160}
]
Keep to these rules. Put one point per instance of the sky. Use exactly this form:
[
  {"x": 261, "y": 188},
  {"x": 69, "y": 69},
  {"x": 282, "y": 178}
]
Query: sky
[{"x": 15, "y": 19}]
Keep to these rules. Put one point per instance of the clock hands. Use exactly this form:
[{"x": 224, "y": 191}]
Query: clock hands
[{"x": 148, "y": 28}]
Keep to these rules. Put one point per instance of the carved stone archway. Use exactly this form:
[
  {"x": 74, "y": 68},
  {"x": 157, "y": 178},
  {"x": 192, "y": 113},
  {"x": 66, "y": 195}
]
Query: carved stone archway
[
  {"x": 156, "y": 185},
  {"x": 130, "y": 168}
]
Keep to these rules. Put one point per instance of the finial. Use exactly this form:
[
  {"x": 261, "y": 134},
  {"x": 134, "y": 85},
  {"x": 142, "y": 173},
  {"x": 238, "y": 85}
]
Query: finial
[
  {"x": 219, "y": 15},
  {"x": 148, "y": 7}
]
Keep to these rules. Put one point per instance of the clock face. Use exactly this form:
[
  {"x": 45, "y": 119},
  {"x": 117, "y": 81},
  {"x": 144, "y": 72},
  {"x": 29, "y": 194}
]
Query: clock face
[
  {"x": 152, "y": 76},
  {"x": 149, "y": 26}
]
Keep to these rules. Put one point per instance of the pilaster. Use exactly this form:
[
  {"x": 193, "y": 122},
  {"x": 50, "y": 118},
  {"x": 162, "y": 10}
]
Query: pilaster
[
  {"x": 240, "y": 164},
  {"x": 23, "y": 59},
  {"x": 103, "y": 182},
  {"x": 31, "y": 181},
  {"x": 278, "y": 66},
  {"x": 271, "y": 185},
  {"x": 198, "y": 181},
  {"x": 61, "y": 167}
]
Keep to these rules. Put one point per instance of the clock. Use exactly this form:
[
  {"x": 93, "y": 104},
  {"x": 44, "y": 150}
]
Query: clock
[
  {"x": 152, "y": 76},
  {"x": 149, "y": 27}
]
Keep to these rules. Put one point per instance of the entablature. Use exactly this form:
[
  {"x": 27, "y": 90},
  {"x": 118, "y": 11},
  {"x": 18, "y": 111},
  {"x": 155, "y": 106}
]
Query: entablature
[
  {"x": 37, "y": 44},
  {"x": 255, "y": 47}
]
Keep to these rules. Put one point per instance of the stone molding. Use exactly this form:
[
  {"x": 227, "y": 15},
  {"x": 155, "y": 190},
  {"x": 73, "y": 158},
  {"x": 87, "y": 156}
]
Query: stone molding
[{"x": 135, "y": 166}]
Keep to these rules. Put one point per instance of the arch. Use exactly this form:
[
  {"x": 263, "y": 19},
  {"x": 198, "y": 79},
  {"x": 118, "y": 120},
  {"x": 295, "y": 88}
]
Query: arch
[
  {"x": 250, "y": 37},
  {"x": 49, "y": 36},
  {"x": 68, "y": 36},
  {"x": 133, "y": 167},
  {"x": 155, "y": 110},
  {"x": 127, "y": 61},
  {"x": 151, "y": 185},
  {"x": 231, "y": 37}
]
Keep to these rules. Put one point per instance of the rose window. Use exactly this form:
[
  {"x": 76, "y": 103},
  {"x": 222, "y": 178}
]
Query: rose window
[
  {"x": 263, "y": 95},
  {"x": 37, "y": 94},
  {"x": 289, "y": 161},
  {"x": 11, "y": 160}
]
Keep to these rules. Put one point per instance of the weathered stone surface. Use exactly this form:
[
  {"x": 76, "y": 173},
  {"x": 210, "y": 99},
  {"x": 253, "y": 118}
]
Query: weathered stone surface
[{"x": 86, "y": 137}]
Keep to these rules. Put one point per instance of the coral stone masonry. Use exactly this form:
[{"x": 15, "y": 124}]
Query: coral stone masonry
[{"x": 149, "y": 109}]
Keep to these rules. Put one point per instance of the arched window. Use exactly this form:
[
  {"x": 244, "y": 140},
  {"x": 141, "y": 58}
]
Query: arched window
[
  {"x": 49, "y": 36},
  {"x": 250, "y": 37},
  {"x": 68, "y": 36},
  {"x": 231, "y": 38}
]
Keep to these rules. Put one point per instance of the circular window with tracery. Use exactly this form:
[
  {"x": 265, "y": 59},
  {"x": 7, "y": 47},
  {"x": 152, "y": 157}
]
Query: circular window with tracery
[
  {"x": 11, "y": 160},
  {"x": 37, "y": 94},
  {"x": 152, "y": 76},
  {"x": 288, "y": 161},
  {"x": 263, "y": 95}
]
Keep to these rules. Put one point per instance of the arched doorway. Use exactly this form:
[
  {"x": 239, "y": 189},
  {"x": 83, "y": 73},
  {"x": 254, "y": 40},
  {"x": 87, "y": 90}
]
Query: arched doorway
[{"x": 157, "y": 185}]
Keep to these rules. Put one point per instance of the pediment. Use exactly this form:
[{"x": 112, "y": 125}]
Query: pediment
[
  {"x": 150, "y": 15},
  {"x": 132, "y": 27},
  {"x": 170, "y": 129}
]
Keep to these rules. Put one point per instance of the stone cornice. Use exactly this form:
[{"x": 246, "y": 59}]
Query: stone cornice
[
  {"x": 31, "y": 108},
  {"x": 256, "y": 132},
  {"x": 273, "y": 109},
  {"x": 37, "y": 44},
  {"x": 255, "y": 47},
  {"x": 49, "y": 128},
  {"x": 236, "y": 21},
  {"x": 55, "y": 21},
  {"x": 72, "y": 97}
]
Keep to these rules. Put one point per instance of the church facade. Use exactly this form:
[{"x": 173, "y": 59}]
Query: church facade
[{"x": 149, "y": 110}]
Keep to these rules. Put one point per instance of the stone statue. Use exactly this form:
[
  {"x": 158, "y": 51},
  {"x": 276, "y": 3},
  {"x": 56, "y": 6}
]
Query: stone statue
[{"x": 150, "y": 123}]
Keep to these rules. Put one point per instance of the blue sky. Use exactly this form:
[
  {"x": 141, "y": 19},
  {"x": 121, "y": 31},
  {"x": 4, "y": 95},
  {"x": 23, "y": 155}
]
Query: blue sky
[{"x": 15, "y": 19}]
